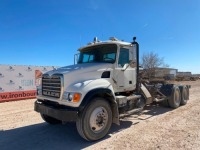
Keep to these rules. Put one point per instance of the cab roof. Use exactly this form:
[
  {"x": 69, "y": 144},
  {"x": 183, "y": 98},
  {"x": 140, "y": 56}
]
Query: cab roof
[{"x": 112, "y": 40}]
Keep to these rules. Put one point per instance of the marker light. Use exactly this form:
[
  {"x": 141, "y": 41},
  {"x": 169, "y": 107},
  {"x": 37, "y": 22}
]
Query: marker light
[{"x": 76, "y": 97}]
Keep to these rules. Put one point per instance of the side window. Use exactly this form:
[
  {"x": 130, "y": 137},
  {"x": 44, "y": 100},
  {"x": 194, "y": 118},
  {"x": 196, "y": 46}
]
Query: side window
[{"x": 123, "y": 57}]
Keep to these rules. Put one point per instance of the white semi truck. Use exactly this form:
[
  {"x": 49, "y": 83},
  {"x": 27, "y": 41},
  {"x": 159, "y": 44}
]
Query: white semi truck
[{"x": 103, "y": 86}]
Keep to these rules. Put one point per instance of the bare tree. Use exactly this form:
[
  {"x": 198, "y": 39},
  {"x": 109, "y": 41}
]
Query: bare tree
[{"x": 151, "y": 61}]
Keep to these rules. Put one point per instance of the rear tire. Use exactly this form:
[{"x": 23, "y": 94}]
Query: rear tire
[
  {"x": 95, "y": 120},
  {"x": 184, "y": 95},
  {"x": 175, "y": 98},
  {"x": 49, "y": 119}
]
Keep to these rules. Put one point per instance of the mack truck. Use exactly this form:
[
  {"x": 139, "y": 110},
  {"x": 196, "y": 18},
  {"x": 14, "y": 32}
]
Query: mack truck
[{"x": 104, "y": 85}]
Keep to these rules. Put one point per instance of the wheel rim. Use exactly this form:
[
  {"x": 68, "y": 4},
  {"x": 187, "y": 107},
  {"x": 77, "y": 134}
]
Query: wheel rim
[{"x": 98, "y": 119}]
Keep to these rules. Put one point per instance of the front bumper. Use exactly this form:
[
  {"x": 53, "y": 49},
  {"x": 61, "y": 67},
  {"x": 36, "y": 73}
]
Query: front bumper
[{"x": 60, "y": 113}]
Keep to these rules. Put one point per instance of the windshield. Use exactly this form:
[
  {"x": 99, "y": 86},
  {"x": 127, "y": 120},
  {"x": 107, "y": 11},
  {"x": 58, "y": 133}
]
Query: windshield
[{"x": 99, "y": 53}]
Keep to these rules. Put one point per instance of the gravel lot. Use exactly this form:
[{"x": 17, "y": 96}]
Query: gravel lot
[{"x": 156, "y": 128}]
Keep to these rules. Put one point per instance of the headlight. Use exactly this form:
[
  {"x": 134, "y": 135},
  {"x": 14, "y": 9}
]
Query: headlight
[{"x": 70, "y": 97}]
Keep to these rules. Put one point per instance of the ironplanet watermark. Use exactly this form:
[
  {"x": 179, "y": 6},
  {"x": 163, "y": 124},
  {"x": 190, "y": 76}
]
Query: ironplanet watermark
[{"x": 17, "y": 95}]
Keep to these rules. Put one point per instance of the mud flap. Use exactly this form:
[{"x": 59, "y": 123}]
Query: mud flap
[{"x": 146, "y": 94}]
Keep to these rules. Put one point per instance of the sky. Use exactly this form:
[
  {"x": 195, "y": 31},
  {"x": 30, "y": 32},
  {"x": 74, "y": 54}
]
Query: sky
[{"x": 49, "y": 32}]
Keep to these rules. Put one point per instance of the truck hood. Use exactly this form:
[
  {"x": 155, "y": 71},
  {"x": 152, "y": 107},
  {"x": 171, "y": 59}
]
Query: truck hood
[{"x": 81, "y": 68}]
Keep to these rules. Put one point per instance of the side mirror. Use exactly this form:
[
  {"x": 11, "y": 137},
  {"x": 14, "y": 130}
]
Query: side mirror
[
  {"x": 132, "y": 64},
  {"x": 125, "y": 67},
  {"x": 76, "y": 56}
]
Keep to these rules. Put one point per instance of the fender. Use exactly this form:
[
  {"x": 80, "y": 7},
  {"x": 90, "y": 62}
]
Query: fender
[
  {"x": 97, "y": 87},
  {"x": 102, "y": 92},
  {"x": 167, "y": 89}
]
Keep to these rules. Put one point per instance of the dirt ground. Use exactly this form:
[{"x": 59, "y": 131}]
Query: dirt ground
[{"x": 156, "y": 128}]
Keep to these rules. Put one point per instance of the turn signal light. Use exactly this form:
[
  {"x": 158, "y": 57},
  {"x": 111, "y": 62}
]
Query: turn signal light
[{"x": 76, "y": 97}]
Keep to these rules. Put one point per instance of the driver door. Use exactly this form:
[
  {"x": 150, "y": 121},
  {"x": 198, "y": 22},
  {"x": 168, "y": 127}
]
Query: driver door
[{"x": 124, "y": 75}]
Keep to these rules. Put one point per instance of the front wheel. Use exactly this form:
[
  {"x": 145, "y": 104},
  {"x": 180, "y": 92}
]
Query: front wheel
[{"x": 95, "y": 120}]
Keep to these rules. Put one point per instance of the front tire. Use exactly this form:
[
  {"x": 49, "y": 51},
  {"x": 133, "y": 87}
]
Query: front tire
[{"x": 95, "y": 120}]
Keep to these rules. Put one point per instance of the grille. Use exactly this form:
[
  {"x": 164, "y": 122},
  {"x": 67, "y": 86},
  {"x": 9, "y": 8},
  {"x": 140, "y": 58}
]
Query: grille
[{"x": 51, "y": 86}]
